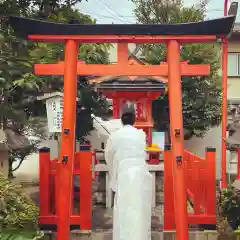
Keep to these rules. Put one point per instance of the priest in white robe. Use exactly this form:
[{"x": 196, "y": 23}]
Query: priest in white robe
[{"x": 130, "y": 180}]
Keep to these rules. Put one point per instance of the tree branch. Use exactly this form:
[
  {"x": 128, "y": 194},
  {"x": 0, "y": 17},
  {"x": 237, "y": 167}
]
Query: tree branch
[{"x": 18, "y": 166}]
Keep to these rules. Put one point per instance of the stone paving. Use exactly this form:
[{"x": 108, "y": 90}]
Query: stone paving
[
  {"x": 107, "y": 235},
  {"x": 101, "y": 235},
  {"x": 101, "y": 220}
]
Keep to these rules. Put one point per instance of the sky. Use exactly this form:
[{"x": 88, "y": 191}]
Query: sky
[{"x": 121, "y": 11}]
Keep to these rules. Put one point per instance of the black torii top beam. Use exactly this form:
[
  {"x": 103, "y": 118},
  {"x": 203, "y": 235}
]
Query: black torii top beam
[{"x": 218, "y": 27}]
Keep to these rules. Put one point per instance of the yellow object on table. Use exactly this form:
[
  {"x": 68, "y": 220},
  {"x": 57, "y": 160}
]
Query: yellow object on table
[{"x": 154, "y": 148}]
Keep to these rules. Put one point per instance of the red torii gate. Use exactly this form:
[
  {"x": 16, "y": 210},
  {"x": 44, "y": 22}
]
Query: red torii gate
[{"x": 173, "y": 36}]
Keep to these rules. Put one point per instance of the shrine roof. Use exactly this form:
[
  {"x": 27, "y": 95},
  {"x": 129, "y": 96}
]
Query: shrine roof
[
  {"x": 124, "y": 83},
  {"x": 219, "y": 26},
  {"x": 137, "y": 80}
]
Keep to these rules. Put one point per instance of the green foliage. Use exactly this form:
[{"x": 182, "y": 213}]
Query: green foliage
[
  {"x": 166, "y": 12},
  {"x": 201, "y": 96},
  {"x": 90, "y": 103},
  {"x": 35, "y": 8},
  {"x": 20, "y": 236},
  {"x": 19, "y": 86},
  {"x": 35, "y": 126},
  {"x": 230, "y": 203},
  {"x": 18, "y": 214}
]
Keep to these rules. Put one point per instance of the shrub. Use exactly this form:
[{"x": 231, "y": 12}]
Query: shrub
[
  {"x": 231, "y": 206},
  {"x": 18, "y": 213}
]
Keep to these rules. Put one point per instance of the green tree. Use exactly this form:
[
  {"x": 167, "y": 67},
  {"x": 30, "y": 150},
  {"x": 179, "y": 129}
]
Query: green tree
[
  {"x": 201, "y": 96},
  {"x": 91, "y": 101},
  {"x": 19, "y": 86}
]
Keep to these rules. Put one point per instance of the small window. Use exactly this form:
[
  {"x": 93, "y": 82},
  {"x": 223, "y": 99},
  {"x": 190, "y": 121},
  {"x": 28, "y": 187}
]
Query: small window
[
  {"x": 233, "y": 64},
  {"x": 102, "y": 146}
]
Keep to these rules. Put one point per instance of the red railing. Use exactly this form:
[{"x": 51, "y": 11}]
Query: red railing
[
  {"x": 200, "y": 177},
  {"x": 82, "y": 206}
]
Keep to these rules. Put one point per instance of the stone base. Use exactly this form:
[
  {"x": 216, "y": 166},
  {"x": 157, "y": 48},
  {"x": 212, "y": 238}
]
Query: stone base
[{"x": 107, "y": 235}]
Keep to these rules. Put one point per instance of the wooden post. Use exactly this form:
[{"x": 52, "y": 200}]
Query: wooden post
[
  {"x": 196, "y": 186},
  {"x": 224, "y": 111},
  {"x": 44, "y": 185},
  {"x": 177, "y": 139},
  {"x": 85, "y": 187},
  {"x": 116, "y": 108},
  {"x": 68, "y": 140},
  {"x": 169, "y": 221},
  {"x": 211, "y": 180}
]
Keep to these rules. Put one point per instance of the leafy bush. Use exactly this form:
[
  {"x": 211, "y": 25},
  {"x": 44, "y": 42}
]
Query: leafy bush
[
  {"x": 230, "y": 206},
  {"x": 20, "y": 236},
  {"x": 18, "y": 213}
]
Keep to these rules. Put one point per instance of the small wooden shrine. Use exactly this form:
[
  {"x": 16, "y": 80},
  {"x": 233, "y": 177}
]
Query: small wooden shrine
[{"x": 140, "y": 90}]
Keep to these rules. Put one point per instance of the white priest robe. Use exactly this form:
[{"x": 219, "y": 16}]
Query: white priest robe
[{"x": 132, "y": 183}]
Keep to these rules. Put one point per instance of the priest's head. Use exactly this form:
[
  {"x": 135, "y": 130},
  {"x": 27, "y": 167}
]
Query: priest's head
[{"x": 128, "y": 114}]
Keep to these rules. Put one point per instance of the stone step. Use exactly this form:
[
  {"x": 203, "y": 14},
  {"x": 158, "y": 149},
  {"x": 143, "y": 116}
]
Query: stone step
[
  {"x": 107, "y": 235},
  {"x": 96, "y": 236}
]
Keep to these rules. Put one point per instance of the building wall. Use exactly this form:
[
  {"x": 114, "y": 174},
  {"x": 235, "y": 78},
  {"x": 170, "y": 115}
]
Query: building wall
[
  {"x": 233, "y": 88},
  {"x": 212, "y": 139},
  {"x": 233, "y": 46},
  {"x": 233, "y": 82},
  {"x": 95, "y": 140},
  {"x": 29, "y": 170}
]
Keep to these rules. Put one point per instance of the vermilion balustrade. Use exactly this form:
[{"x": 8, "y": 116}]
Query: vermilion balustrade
[
  {"x": 82, "y": 214},
  {"x": 200, "y": 177}
]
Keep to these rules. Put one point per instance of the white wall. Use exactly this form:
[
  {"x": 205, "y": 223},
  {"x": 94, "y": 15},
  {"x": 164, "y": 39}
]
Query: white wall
[
  {"x": 29, "y": 169},
  {"x": 96, "y": 141},
  {"x": 212, "y": 139}
]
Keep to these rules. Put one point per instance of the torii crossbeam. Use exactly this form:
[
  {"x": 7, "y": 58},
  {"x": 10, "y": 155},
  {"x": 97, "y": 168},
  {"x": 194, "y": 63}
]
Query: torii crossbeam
[
  {"x": 123, "y": 70},
  {"x": 172, "y": 35}
]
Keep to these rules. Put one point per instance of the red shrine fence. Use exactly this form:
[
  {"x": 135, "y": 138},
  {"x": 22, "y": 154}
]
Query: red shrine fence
[
  {"x": 200, "y": 177},
  {"x": 81, "y": 216}
]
